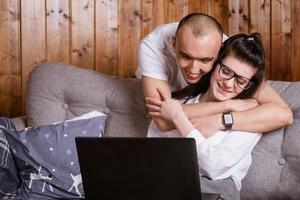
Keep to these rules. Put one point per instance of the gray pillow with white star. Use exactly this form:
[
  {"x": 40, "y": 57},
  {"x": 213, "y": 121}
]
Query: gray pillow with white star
[{"x": 46, "y": 157}]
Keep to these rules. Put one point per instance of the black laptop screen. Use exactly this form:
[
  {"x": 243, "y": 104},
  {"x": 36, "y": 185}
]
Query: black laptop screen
[{"x": 139, "y": 168}]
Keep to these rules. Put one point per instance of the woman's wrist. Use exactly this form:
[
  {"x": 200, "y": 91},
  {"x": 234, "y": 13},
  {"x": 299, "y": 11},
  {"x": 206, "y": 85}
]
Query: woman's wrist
[
  {"x": 179, "y": 115},
  {"x": 182, "y": 123}
]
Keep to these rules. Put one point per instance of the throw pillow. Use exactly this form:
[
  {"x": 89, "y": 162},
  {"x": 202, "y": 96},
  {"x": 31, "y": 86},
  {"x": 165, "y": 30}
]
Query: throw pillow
[
  {"x": 46, "y": 157},
  {"x": 8, "y": 171}
]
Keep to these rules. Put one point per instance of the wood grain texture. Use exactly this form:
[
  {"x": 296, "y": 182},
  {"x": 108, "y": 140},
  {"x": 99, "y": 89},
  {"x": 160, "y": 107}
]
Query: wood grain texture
[
  {"x": 129, "y": 36},
  {"x": 152, "y": 15},
  {"x": 295, "y": 57},
  {"x": 175, "y": 10},
  {"x": 107, "y": 37},
  {"x": 197, "y": 6},
  {"x": 33, "y": 38},
  {"x": 57, "y": 30},
  {"x": 281, "y": 40},
  {"x": 238, "y": 17},
  {"x": 10, "y": 69},
  {"x": 219, "y": 9},
  {"x": 260, "y": 21},
  {"x": 83, "y": 33}
]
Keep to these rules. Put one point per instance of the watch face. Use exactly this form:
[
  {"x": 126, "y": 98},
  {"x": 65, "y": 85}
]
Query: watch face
[{"x": 228, "y": 119}]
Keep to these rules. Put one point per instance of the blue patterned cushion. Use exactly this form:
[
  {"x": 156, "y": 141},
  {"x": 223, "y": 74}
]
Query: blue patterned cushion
[
  {"x": 47, "y": 160},
  {"x": 8, "y": 171}
]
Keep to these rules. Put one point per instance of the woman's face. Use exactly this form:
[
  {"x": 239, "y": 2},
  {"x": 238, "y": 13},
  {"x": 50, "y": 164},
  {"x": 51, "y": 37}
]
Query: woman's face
[{"x": 222, "y": 86}]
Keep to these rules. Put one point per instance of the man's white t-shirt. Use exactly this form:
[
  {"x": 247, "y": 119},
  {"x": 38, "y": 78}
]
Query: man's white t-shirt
[{"x": 157, "y": 57}]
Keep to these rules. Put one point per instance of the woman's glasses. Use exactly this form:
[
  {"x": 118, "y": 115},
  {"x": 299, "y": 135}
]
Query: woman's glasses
[{"x": 227, "y": 74}]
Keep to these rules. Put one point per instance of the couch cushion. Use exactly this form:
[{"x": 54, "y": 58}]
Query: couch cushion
[
  {"x": 46, "y": 156},
  {"x": 57, "y": 92},
  {"x": 8, "y": 170},
  {"x": 275, "y": 172}
]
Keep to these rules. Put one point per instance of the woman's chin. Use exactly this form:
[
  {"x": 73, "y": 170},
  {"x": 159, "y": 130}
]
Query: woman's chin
[{"x": 221, "y": 97}]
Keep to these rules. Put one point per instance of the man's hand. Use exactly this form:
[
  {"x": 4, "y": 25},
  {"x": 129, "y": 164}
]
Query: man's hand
[{"x": 208, "y": 125}]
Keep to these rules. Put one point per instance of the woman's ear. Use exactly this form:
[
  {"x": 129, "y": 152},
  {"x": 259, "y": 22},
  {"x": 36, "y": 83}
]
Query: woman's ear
[{"x": 174, "y": 41}]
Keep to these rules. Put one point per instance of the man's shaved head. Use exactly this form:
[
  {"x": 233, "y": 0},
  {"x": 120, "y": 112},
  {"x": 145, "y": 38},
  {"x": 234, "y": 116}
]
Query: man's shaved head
[
  {"x": 201, "y": 24},
  {"x": 196, "y": 43}
]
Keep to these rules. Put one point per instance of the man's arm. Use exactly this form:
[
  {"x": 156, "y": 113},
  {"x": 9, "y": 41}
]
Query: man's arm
[
  {"x": 150, "y": 86},
  {"x": 272, "y": 113},
  {"x": 209, "y": 108}
]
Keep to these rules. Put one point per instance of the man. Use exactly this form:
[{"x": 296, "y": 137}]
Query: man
[{"x": 175, "y": 55}]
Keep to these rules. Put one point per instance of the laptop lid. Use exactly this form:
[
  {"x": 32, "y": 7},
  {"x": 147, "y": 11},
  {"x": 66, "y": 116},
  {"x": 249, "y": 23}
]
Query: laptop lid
[{"x": 139, "y": 168}]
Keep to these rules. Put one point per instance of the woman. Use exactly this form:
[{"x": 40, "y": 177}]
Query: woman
[{"x": 226, "y": 156}]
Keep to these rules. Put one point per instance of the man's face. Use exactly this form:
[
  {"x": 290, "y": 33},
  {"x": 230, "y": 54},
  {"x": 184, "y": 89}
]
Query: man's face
[{"x": 195, "y": 55}]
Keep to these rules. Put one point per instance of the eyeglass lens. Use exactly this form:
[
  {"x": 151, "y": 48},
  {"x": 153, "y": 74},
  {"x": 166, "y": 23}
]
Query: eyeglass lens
[{"x": 228, "y": 74}]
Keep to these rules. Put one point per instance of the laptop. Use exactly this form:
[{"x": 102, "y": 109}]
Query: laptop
[{"x": 139, "y": 168}]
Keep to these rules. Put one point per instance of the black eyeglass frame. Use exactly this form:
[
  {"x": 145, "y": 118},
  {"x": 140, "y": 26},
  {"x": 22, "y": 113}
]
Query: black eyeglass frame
[{"x": 235, "y": 76}]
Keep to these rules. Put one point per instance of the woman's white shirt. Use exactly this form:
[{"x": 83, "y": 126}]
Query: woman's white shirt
[{"x": 225, "y": 154}]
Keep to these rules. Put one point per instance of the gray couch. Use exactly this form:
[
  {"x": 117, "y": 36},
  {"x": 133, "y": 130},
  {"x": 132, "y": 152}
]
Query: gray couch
[{"x": 58, "y": 92}]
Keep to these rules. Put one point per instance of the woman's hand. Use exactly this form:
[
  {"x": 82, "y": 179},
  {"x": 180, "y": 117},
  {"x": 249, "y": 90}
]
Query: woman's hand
[
  {"x": 171, "y": 110},
  {"x": 165, "y": 108}
]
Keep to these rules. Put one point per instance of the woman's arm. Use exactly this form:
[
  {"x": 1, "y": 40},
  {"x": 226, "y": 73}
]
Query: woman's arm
[
  {"x": 172, "y": 111},
  {"x": 216, "y": 156}
]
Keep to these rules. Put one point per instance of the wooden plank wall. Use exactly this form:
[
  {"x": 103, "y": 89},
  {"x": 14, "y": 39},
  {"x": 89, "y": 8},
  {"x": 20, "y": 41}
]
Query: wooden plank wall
[
  {"x": 10, "y": 59},
  {"x": 103, "y": 35}
]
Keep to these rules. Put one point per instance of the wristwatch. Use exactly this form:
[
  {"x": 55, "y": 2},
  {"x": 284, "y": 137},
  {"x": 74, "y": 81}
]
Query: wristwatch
[{"x": 227, "y": 120}]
